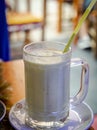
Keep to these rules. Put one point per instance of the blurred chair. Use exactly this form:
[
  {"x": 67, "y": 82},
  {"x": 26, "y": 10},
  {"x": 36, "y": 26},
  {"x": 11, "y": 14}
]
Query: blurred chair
[
  {"x": 76, "y": 7},
  {"x": 26, "y": 21}
]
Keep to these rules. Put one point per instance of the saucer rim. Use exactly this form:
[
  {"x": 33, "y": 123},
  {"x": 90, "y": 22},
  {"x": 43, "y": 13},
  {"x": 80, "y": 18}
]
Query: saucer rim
[
  {"x": 92, "y": 115},
  {"x": 4, "y": 111},
  {"x": 83, "y": 103}
]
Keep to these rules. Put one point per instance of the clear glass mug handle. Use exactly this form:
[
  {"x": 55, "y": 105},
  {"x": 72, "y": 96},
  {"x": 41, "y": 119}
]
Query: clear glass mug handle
[{"x": 81, "y": 94}]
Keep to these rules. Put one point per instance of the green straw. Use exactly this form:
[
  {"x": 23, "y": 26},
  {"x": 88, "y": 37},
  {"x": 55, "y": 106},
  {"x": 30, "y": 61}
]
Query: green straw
[{"x": 84, "y": 16}]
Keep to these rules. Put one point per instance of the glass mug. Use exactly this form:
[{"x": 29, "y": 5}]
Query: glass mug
[{"x": 47, "y": 84}]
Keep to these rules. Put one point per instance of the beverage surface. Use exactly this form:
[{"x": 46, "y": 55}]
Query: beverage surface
[
  {"x": 45, "y": 52},
  {"x": 45, "y": 56}
]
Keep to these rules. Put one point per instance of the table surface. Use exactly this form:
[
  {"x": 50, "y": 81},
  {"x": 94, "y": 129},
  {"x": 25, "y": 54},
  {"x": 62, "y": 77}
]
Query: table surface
[{"x": 13, "y": 73}]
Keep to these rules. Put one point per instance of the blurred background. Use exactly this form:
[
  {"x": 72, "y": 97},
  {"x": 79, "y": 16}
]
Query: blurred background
[
  {"x": 35, "y": 20},
  {"x": 49, "y": 20}
]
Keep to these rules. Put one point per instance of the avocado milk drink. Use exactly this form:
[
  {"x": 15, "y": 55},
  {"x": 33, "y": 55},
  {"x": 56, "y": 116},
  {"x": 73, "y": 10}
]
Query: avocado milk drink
[
  {"x": 46, "y": 96},
  {"x": 47, "y": 84}
]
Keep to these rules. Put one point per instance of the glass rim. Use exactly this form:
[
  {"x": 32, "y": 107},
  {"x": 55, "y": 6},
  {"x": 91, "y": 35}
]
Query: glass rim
[{"x": 44, "y": 42}]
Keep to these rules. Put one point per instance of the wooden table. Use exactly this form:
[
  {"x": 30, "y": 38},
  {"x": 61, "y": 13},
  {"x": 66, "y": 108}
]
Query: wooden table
[{"x": 14, "y": 73}]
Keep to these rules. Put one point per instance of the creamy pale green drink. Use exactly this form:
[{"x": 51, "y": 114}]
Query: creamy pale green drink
[{"x": 47, "y": 84}]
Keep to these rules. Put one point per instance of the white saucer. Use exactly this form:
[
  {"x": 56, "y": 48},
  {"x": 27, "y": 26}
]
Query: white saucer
[
  {"x": 80, "y": 118},
  {"x": 2, "y": 110}
]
